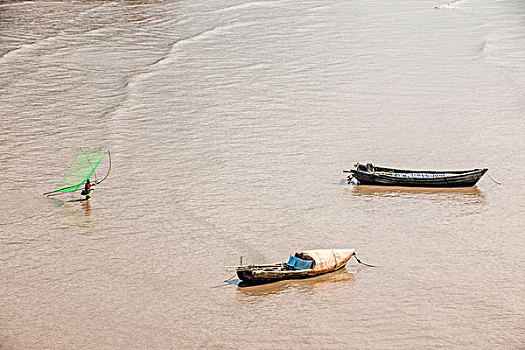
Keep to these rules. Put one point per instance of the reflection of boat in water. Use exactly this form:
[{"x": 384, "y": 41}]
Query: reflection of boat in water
[
  {"x": 373, "y": 175},
  {"x": 461, "y": 195},
  {"x": 341, "y": 278},
  {"x": 304, "y": 264},
  {"x": 78, "y": 217},
  {"x": 390, "y": 191}
]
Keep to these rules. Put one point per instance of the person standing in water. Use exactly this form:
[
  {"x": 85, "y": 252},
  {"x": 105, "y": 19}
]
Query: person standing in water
[{"x": 87, "y": 189}]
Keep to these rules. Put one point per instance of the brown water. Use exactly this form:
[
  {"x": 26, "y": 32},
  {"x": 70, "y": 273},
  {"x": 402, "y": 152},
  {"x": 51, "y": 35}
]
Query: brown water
[{"x": 229, "y": 125}]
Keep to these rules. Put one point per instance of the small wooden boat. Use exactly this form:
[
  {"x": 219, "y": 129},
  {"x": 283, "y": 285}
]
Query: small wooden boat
[
  {"x": 372, "y": 175},
  {"x": 304, "y": 264}
]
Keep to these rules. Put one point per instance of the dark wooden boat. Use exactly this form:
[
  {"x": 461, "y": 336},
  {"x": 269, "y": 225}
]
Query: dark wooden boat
[
  {"x": 304, "y": 264},
  {"x": 372, "y": 175}
]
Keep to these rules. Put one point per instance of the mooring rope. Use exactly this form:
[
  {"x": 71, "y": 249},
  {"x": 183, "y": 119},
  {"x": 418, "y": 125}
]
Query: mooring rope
[
  {"x": 359, "y": 261},
  {"x": 499, "y": 183},
  {"x": 231, "y": 278}
]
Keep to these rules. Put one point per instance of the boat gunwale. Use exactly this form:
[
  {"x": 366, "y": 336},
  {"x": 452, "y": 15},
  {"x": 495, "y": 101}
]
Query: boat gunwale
[
  {"x": 453, "y": 176},
  {"x": 405, "y": 171}
]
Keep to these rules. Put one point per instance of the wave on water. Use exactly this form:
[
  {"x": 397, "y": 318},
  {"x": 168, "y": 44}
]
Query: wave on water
[
  {"x": 36, "y": 44},
  {"x": 8, "y": 3},
  {"x": 194, "y": 37},
  {"x": 248, "y": 5},
  {"x": 449, "y": 6}
]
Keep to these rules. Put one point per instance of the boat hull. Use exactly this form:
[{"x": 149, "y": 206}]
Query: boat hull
[
  {"x": 416, "y": 178},
  {"x": 261, "y": 274}
]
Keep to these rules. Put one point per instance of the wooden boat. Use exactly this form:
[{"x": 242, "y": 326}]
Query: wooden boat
[
  {"x": 372, "y": 175},
  {"x": 304, "y": 264}
]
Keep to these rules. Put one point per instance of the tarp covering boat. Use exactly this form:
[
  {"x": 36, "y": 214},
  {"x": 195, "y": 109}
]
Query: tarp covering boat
[
  {"x": 296, "y": 263},
  {"x": 326, "y": 259}
]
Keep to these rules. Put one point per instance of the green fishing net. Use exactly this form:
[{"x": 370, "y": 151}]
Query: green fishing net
[{"x": 83, "y": 167}]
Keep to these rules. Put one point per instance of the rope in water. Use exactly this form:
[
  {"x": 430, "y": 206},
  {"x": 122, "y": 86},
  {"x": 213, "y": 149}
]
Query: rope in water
[
  {"x": 359, "y": 261},
  {"x": 499, "y": 183},
  {"x": 231, "y": 278}
]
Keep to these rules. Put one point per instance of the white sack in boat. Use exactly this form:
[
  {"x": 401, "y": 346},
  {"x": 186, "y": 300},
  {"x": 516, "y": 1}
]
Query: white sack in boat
[{"x": 326, "y": 259}]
